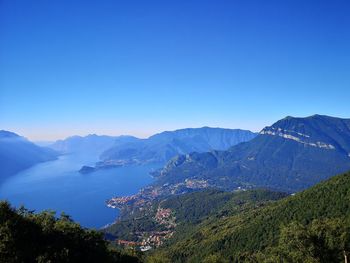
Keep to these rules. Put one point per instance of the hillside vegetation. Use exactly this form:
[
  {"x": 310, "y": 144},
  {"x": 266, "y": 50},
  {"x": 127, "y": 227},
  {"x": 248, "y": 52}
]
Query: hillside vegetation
[
  {"x": 27, "y": 237},
  {"x": 211, "y": 226},
  {"x": 188, "y": 210},
  {"x": 312, "y": 226},
  {"x": 291, "y": 155}
]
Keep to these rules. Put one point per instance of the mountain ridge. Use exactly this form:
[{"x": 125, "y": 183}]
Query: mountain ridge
[
  {"x": 90, "y": 143},
  {"x": 284, "y": 156},
  {"x": 17, "y": 153},
  {"x": 163, "y": 146}
]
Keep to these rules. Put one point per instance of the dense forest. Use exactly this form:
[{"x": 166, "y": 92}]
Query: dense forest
[
  {"x": 28, "y": 237},
  {"x": 312, "y": 226}
]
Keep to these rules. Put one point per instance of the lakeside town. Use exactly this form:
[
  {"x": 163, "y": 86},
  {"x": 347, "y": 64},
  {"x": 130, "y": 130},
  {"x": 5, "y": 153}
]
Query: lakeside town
[
  {"x": 153, "y": 239},
  {"x": 151, "y": 193},
  {"x": 142, "y": 205},
  {"x": 142, "y": 202}
]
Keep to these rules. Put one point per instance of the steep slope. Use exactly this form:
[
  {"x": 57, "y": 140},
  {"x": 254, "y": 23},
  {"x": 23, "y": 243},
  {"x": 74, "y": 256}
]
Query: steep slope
[
  {"x": 237, "y": 238},
  {"x": 17, "y": 153},
  {"x": 291, "y": 155},
  {"x": 181, "y": 213},
  {"x": 162, "y": 147},
  {"x": 89, "y": 144}
]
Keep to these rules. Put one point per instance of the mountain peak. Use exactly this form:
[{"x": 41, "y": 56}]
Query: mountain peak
[
  {"x": 8, "y": 134},
  {"x": 319, "y": 131},
  {"x": 161, "y": 147},
  {"x": 11, "y": 136},
  {"x": 319, "y": 116},
  {"x": 303, "y": 150},
  {"x": 314, "y": 116}
]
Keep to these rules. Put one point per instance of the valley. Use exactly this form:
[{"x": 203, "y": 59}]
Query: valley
[
  {"x": 144, "y": 218},
  {"x": 213, "y": 199},
  {"x": 58, "y": 185},
  {"x": 175, "y": 131}
]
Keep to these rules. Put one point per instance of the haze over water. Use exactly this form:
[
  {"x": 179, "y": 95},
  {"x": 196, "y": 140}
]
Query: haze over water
[{"x": 59, "y": 186}]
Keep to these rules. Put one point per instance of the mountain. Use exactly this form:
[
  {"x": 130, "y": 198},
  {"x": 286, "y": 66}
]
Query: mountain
[
  {"x": 17, "y": 153},
  {"x": 178, "y": 213},
  {"x": 163, "y": 146},
  {"x": 89, "y": 144},
  {"x": 291, "y": 155},
  {"x": 311, "y": 226}
]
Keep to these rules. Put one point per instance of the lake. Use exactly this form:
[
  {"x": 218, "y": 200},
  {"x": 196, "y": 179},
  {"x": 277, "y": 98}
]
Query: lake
[{"x": 57, "y": 185}]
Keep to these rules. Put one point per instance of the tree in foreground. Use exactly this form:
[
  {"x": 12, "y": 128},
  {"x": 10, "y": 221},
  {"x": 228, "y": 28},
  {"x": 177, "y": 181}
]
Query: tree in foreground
[
  {"x": 28, "y": 237},
  {"x": 322, "y": 241}
]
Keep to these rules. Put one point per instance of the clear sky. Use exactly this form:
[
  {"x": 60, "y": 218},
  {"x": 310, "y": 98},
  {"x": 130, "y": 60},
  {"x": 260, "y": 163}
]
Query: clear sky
[{"x": 140, "y": 67}]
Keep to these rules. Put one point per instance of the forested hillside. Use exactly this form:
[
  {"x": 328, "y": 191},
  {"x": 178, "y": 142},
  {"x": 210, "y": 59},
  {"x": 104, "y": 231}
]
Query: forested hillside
[
  {"x": 176, "y": 216},
  {"x": 291, "y": 155},
  {"x": 312, "y": 226},
  {"x": 26, "y": 237}
]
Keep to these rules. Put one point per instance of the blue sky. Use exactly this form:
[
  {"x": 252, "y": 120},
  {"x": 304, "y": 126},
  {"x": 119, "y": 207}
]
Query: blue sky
[{"x": 140, "y": 67}]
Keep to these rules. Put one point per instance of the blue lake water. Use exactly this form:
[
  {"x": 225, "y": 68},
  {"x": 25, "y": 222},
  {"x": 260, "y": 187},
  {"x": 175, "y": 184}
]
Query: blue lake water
[{"x": 58, "y": 185}]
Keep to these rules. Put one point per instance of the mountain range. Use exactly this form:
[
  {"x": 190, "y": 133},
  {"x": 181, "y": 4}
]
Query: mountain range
[
  {"x": 252, "y": 222},
  {"x": 291, "y": 155},
  {"x": 17, "y": 153},
  {"x": 164, "y": 146},
  {"x": 92, "y": 143}
]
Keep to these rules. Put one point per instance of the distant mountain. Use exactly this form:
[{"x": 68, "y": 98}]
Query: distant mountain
[
  {"x": 17, "y": 153},
  {"x": 89, "y": 144},
  {"x": 291, "y": 155},
  {"x": 164, "y": 146},
  {"x": 44, "y": 143}
]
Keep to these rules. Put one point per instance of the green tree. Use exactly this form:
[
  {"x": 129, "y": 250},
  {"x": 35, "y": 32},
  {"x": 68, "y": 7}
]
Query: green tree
[
  {"x": 28, "y": 237},
  {"x": 322, "y": 241}
]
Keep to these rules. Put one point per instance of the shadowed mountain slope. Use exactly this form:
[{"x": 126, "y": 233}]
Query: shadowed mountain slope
[
  {"x": 164, "y": 146},
  {"x": 291, "y": 155},
  {"x": 17, "y": 153}
]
